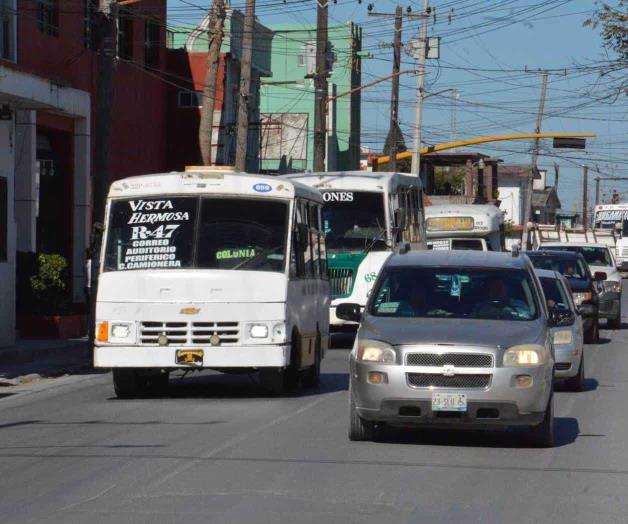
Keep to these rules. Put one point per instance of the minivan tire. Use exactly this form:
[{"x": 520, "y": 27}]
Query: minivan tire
[
  {"x": 360, "y": 430},
  {"x": 542, "y": 435},
  {"x": 592, "y": 336},
  {"x": 615, "y": 323},
  {"x": 577, "y": 383}
]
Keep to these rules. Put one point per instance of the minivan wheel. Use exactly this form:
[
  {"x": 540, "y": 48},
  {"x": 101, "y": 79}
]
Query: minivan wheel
[
  {"x": 577, "y": 383},
  {"x": 542, "y": 435},
  {"x": 360, "y": 430},
  {"x": 592, "y": 336}
]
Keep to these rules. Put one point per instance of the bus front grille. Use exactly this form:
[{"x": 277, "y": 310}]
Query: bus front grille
[
  {"x": 341, "y": 280},
  {"x": 181, "y": 333}
]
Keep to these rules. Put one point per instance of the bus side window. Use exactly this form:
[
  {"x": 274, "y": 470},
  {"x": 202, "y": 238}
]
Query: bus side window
[
  {"x": 297, "y": 257},
  {"x": 313, "y": 229},
  {"x": 321, "y": 246},
  {"x": 308, "y": 254}
]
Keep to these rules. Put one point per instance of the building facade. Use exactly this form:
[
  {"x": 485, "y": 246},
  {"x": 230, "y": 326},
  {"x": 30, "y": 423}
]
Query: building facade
[
  {"x": 48, "y": 71},
  {"x": 187, "y": 66},
  {"x": 287, "y": 100}
]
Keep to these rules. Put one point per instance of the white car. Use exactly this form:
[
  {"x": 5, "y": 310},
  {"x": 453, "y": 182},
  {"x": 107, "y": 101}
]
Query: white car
[
  {"x": 600, "y": 259},
  {"x": 568, "y": 338}
]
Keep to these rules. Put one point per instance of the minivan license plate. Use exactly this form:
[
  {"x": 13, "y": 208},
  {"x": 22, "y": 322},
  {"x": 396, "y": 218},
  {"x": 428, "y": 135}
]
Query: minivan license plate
[{"x": 449, "y": 402}]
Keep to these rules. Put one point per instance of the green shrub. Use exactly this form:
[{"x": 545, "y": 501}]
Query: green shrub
[{"x": 42, "y": 284}]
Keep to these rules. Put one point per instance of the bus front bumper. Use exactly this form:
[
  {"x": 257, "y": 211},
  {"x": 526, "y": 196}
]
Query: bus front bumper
[{"x": 213, "y": 357}]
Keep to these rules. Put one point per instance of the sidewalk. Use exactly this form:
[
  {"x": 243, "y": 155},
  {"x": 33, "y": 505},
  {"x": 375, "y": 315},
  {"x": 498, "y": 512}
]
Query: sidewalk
[{"x": 31, "y": 359}]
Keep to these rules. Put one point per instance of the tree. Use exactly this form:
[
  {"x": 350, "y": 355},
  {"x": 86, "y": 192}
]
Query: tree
[
  {"x": 216, "y": 26},
  {"x": 613, "y": 21},
  {"x": 396, "y": 135}
]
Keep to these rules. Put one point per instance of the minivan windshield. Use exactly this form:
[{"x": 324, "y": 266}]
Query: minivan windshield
[
  {"x": 354, "y": 220},
  {"x": 595, "y": 256},
  {"x": 566, "y": 266},
  {"x": 196, "y": 232},
  {"x": 455, "y": 292}
]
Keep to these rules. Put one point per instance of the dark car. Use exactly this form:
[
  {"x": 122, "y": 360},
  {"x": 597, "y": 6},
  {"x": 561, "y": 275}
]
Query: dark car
[{"x": 574, "y": 267}]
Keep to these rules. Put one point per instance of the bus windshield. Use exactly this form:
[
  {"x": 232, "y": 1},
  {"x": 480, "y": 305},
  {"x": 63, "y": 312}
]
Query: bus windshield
[
  {"x": 354, "y": 220},
  {"x": 196, "y": 233}
]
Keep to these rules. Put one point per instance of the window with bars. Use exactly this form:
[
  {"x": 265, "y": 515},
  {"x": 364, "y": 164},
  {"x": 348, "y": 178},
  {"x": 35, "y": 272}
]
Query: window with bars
[
  {"x": 4, "y": 215},
  {"x": 125, "y": 36},
  {"x": 48, "y": 17},
  {"x": 152, "y": 40},
  {"x": 190, "y": 99},
  {"x": 90, "y": 8}
]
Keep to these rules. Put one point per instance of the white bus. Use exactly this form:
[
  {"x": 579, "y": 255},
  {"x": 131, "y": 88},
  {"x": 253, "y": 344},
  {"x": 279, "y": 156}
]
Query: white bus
[
  {"x": 366, "y": 215},
  {"x": 212, "y": 269},
  {"x": 465, "y": 226},
  {"x": 615, "y": 217}
]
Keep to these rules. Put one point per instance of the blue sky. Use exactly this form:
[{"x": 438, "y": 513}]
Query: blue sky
[{"x": 485, "y": 52}]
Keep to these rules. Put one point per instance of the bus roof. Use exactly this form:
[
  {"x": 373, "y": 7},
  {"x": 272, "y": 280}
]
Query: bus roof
[
  {"x": 211, "y": 181},
  {"x": 611, "y": 207},
  {"x": 356, "y": 180}
]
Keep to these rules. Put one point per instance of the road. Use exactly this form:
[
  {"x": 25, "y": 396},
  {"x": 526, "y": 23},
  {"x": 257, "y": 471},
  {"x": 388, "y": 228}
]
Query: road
[{"x": 216, "y": 450}]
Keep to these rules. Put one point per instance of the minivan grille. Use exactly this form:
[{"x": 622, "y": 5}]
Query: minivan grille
[
  {"x": 459, "y": 360},
  {"x": 427, "y": 380},
  {"x": 341, "y": 280},
  {"x": 179, "y": 333}
]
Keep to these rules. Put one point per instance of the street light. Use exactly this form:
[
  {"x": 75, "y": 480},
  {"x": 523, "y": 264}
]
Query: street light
[{"x": 480, "y": 197}]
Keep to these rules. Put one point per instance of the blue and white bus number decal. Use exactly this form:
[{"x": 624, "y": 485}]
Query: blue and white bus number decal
[{"x": 262, "y": 188}]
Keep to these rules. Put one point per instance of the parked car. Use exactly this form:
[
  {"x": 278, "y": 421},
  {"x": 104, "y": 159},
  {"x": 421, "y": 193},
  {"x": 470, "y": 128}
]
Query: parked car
[
  {"x": 447, "y": 341},
  {"x": 584, "y": 291},
  {"x": 568, "y": 337},
  {"x": 600, "y": 258}
]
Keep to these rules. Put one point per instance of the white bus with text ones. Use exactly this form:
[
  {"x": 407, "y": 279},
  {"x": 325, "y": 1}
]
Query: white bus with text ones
[
  {"x": 212, "y": 268},
  {"x": 365, "y": 217}
]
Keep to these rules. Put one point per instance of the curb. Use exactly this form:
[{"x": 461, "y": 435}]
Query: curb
[{"x": 21, "y": 355}]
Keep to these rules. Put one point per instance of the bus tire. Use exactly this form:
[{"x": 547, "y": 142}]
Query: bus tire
[
  {"x": 313, "y": 376},
  {"x": 126, "y": 383}
]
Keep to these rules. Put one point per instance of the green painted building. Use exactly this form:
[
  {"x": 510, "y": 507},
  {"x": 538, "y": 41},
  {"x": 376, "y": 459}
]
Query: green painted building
[{"x": 287, "y": 100}]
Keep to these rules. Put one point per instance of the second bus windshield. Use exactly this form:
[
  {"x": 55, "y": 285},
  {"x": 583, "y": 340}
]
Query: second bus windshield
[{"x": 354, "y": 220}]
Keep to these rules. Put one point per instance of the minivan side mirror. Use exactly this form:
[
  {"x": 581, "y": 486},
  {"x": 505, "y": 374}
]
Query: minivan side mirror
[
  {"x": 561, "y": 317},
  {"x": 599, "y": 276},
  {"x": 349, "y": 311}
]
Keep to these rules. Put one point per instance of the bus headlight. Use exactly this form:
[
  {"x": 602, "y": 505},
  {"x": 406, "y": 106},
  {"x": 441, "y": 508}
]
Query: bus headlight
[
  {"x": 258, "y": 330},
  {"x": 116, "y": 332},
  {"x": 525, "y": 355}
]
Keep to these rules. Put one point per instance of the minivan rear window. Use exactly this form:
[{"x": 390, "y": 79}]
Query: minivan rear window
[{"x": 455, "y": 292}]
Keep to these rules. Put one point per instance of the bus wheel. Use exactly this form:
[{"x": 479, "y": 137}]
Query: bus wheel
[
  {"x": 127, "y": 383},
  {"x": 313, "y": 376}
]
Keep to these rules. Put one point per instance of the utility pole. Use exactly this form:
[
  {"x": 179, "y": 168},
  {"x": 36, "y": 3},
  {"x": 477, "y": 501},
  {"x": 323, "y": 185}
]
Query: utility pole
[
  {"x": 597, "y": 190},
  {"x": 320, "y": 85},
  {"x": 420, "y": 67},
  {"x": 393, "y": 132},
  {"x": 535, "y": 157},
  {"x": 217, "y": 15},
  {"x": 585, "y": 196},
  {"x": 245, "y": 86},
  {"x": 106, "y": 58}
]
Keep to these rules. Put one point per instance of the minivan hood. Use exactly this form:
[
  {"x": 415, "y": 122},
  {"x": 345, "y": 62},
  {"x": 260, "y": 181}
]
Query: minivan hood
[{"x": 407, "y": 331}]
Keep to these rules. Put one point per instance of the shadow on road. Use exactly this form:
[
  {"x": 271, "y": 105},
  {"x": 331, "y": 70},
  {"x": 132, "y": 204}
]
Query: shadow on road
[
  {"x": 223, "y": 386},
  {"x": 590, "y": 384},
  {"x": 566, "y": 431}
]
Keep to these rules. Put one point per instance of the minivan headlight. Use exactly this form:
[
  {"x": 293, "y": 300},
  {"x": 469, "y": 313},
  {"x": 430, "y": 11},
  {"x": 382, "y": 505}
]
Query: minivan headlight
[
  {"x": 579, "y": 298},
  {"x": 563, "y": 337},
  {"x": 611, "y": 286},
  {"x": 376, "y": 351},
  {"x": 525, "y": 355}
]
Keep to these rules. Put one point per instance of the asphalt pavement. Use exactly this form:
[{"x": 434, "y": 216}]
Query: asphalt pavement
[{"x": 218, "y": 450}]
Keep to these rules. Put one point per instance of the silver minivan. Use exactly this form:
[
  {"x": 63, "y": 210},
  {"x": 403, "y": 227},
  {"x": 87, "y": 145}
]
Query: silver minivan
[{"x": 449, "y": 340}]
